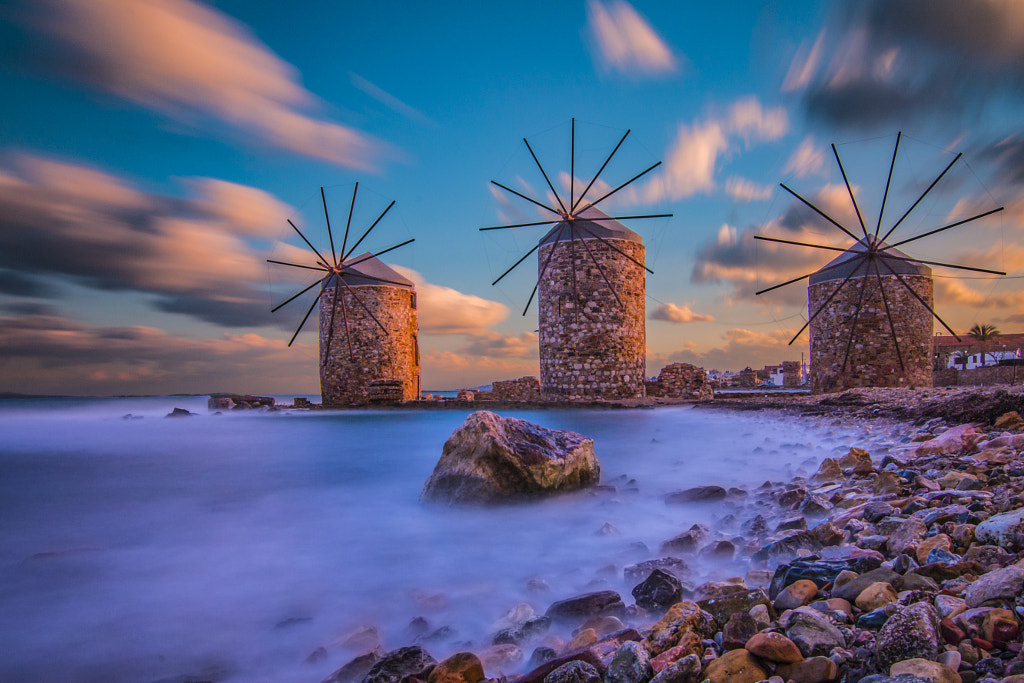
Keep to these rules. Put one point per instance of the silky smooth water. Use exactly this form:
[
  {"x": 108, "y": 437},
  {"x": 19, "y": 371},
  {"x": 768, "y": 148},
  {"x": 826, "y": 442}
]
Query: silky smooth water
[{"x": 234, "y": 545}]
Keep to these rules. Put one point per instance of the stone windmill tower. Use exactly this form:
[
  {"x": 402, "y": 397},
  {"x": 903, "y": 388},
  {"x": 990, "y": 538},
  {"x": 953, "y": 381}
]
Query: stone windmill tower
[
  {"x": 591, "y": 291},
  {"x": 369, "y": 350},
  {"x": 872, "y": 306}
]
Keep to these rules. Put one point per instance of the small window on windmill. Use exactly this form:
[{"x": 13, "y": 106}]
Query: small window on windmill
[
  {"x": 412, "y": 300},
  {"x": 415, "y": 339}
]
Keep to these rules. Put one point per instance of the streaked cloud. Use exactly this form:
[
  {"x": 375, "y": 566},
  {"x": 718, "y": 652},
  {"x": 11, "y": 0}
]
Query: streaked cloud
[
  {"x": 445, "y": 311},
  {"x": 197, "y": 66},
  {"x": 804, "y": 65},
  {"x": 807, "y": 159},
  {"x": 390, "y": 101},
  {"x": 625, "y": 42},
  {"x": 672, "y": 313},
  {"x": 743, "y": 190},
  {"x": 737, "y": 348}
]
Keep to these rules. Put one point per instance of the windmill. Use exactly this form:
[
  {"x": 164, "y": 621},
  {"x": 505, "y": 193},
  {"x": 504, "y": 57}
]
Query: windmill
[
  {"x": 871, "y": 308},
  {"x": 590, "y": 288},
  {"x": 367, "y": 319}
]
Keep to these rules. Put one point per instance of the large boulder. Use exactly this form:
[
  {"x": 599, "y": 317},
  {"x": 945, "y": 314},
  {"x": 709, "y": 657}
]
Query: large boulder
[{"x": 492, "y": 459}]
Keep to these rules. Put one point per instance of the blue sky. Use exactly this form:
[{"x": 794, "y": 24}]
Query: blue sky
[{"x": 151, "y": 152}]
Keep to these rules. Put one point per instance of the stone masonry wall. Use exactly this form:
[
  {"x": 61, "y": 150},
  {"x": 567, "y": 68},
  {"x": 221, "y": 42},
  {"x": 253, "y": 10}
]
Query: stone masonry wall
[
  {"x": 873, "y": 359},
  {"x": 595, "y": 349},
  {"x": 790, "y": 373},
  {"x": 360, "y": 376},
  {"x": 522, "y": 389},
  {"x": 681, "y": 380}
]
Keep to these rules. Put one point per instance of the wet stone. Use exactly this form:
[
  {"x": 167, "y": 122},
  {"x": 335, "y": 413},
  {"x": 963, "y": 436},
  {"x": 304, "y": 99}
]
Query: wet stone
[
  {"x": 574, "y": 672},
  {"x": 587, "y": 605},
  {"x": 659, "y": 591}
]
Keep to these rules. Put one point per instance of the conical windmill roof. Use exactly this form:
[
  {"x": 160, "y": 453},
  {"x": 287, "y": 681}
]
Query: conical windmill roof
[
  {"x": 846, "y": 263},
  {"x": 605, "y": 229},
  {"x": 374, "y": 268}
]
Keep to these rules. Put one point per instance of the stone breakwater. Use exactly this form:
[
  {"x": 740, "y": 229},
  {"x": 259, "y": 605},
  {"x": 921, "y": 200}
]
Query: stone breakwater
[{"x": 900, "y": 562}]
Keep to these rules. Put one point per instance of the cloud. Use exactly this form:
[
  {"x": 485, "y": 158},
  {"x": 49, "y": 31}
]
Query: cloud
[
  {"x": 390, "y": 101},
  {"x": 743, "y": 190},
  {"x": 740, "y": 348},
  {"x": 503, "y": 346},
  {"x": 916, "y": 59},
  {"x": 692, "y": 160},
  {"x": 63, "y": 221},
  {"x": 806, "y": 160},
  {"x": 443, "y": 310},
  {"x": 670, "y": 312},
  {"x": 449, "y": 370},
  {"x": 623, "y": 41},
  {"x": 44, "y": 353},
  {"x": 195, "y": 65}
]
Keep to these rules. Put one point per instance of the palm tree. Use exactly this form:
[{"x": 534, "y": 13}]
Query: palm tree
[{"x": 983, "y": 334}]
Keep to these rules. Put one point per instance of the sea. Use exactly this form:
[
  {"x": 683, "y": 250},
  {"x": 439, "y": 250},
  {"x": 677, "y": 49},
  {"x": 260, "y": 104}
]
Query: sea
[{"x": 275, "y": 546}]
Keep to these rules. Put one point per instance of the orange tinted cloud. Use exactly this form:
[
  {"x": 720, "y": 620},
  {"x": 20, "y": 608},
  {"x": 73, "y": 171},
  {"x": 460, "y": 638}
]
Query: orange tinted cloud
[{"x": 625, "y": 41}]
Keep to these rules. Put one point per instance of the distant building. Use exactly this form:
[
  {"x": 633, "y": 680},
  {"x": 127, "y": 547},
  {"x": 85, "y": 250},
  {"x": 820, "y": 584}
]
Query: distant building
[{"x": 976, "y": 360}]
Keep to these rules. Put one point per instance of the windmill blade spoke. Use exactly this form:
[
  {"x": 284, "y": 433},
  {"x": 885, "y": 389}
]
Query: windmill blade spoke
[
  {"x": 359, "y": 301},
  {"x": 850, "y": 190},
  {"x": 296, "y": 265},
  {"x": 327, "y": 217},
  {"x": 923, "y": 195},
  {"x": 529, "y": 199},
  {"x": 363, "y": 236},
  {"x": 636, "y": 177},
  {"x": 885, "y": 196},
  {"x": 819, "y": 212},
  {"x": 920, "y": 300},
  {"x": 856, "y": 316},
  {"x": 947, "y": 227},
  {"x": 525, "y": 256},
  {"x": 543, "y": 173},
  {"x": 554, "y": 246},
  {"x": 629, "y": 218},
  {"x": 827, "y": 301},
  {"x": 614, "y": 248},
  {"x": 572, "y": 163},
  {"x": 802, "y": 277},
  {"x": 370, "y": 256},
  {"x": 305, "y": 318},
  {"x": 944, "y": 265},
  {"x": 296, "y": 296},
  {"x": 799, "y": 244},
  {"x": 600, "y": 269},
  {"x": 519, "y": 225},
  {"x": 596, "y": 175},
  {"x": 308, "y": 243},
  {"x": 348, "y": 224},
  {"x": 888, "y": 314}
]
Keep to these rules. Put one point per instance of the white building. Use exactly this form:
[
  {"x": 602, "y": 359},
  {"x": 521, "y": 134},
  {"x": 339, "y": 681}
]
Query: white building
[{"x": 974, "y": 360}]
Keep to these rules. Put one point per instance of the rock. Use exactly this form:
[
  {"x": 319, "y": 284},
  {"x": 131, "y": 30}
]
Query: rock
[
  {"x": 812, "y": 670},
  {"x": 795, "y": 595},
  {"x": 501, "y": 657},
  {"x": 587, "y": 605},
  {"x": 938, "y": 541},
  {"x": 574, "y": 672},
  {"x": 949, "y": 442},
  {"x": 722, "y": 608},
  {"x": 1009, "y": 421},
  {"x": 877, "y": 510},
  {"x": 821, "y": 572},
  {"x": 858, "y": 459},
  {"x": 912, "y": 581},
  {"x": 397, "y": 664},
  {"x": 719, "y": 551},
  {"x": 641, "y": 570},
  {"x": 461, "y": 667},
  {"x": 735, "y": 666},
  {"x": 952, "y": 479},
  {"x": 584, "y": 638},
  {"x": 999, "y": 584},
  {"x": 541, "y": 655},
  {"x": 923, "y": 668},
  {"x": 740, "y": 628},
  {"x": 685, "y": 670},
  {"x": 659, "y": 591},
  {"x": 681, "y": 618},
  {"x": 886, "y": 483},
  {"x": 907, "y": 536},
  {"x": 829, "y": 471},
  {"x": 589, "y": 656},
  {"x": 698, "y": 494},
  {"x": 179, "y": 412},
  {"x": 603, "y": 624},
  {"x": 490, "y": 458},
  {"x": 813, "y": 632},
  {"x": 1003, "y": 529},
  {"x": 631, "y": 664},
  {"x": 815, "y": 506},
  {"x": 686, "y": 542},
  {"x": 875, "y": 619},
  {"x": 774, "y": 647},
  {"x": 356, "y": 669},
  {"x": 949, "y": 606},
  {"x": 853, "y": 588},
  {"x": 910, "y": 632},
  {"x": 999, "y": 626},
  {"x": 878, "y": 594}
]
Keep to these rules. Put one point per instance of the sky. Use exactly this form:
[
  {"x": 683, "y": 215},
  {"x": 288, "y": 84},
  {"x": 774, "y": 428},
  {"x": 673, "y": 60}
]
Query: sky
[{"x": 152, "y": 152}]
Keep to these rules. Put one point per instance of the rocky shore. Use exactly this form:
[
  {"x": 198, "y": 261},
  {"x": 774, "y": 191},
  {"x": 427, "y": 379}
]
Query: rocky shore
[{"x": 903, "y": 561}]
